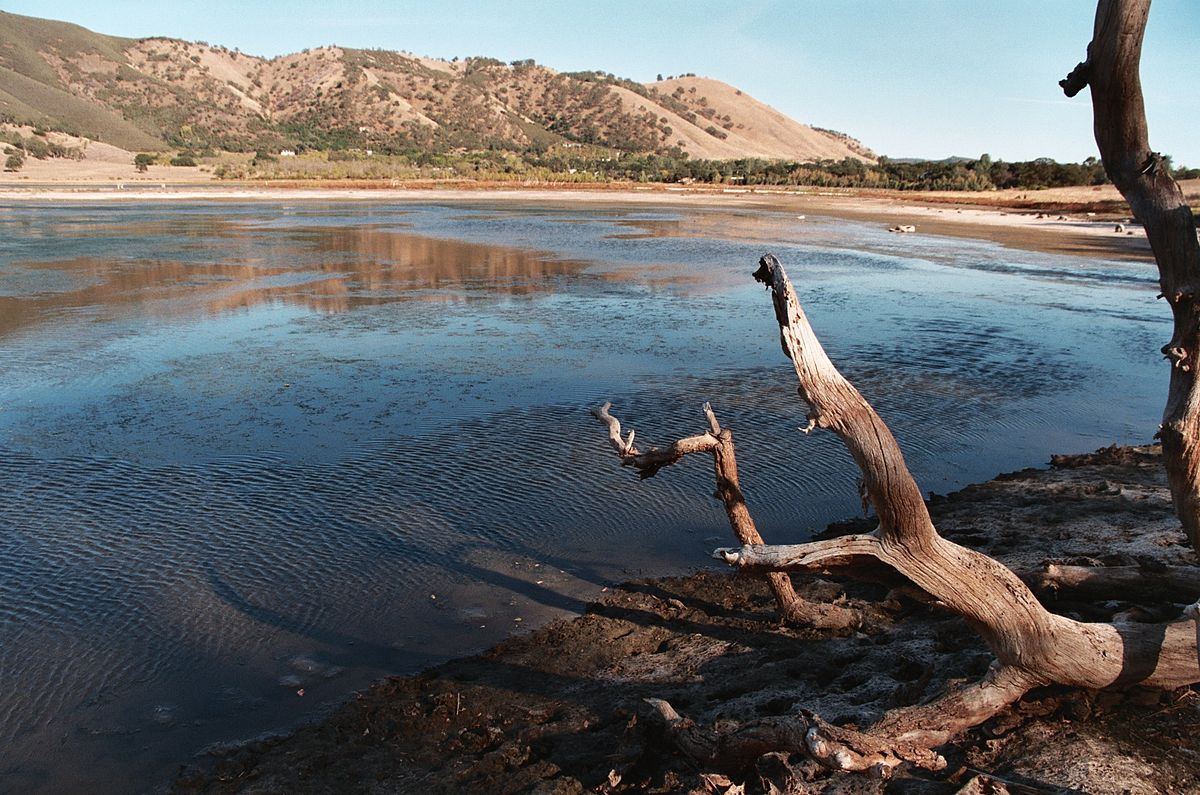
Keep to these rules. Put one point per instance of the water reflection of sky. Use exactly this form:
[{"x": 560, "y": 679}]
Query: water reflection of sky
[{"x": 241, "y": 445}]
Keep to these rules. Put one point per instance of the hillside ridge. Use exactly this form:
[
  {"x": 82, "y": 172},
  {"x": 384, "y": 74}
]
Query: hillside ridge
[{"x": 157, "y": 93}]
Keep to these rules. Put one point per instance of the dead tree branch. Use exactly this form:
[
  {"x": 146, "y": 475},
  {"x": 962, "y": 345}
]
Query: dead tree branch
[
  {"x": 834, "y": 553},
  {"x": 902, "y": 735},
  {"x": 1047, "y": 648},
  {"x": 718, "y": 441},
  {"x": 1032, "y": 646},
  {"x": 1178, "y": 584},
  {"x": 647, "y": 464}
]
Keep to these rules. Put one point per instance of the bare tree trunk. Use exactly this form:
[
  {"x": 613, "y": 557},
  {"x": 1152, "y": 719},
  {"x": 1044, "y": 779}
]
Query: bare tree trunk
[
  {"x": 1032, "y": 646},
  {"x": 1154, "y": 197}
]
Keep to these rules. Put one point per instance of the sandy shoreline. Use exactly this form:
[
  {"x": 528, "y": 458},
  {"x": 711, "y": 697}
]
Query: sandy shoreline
[{"x": 1047, "y": 221}]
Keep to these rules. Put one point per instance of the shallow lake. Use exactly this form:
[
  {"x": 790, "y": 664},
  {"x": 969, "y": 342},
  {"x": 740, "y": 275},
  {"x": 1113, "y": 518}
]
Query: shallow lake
[{"x": 255, "y": 456}]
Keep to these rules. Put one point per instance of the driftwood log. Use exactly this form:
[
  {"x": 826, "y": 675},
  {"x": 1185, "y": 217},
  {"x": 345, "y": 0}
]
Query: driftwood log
[
  {"x": 1032, "y": 646},
  {"x": 1144, "y": 179}
]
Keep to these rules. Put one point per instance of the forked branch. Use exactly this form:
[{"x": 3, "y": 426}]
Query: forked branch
[
  {"x": 647, "y": 464},
  {"x": 1046, "y": 647},
  {"x": 718, "y": 441}
]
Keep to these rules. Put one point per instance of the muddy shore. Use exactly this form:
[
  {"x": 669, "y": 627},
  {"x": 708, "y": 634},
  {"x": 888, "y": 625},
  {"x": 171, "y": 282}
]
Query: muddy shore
[{"x": 562, "y": 710}]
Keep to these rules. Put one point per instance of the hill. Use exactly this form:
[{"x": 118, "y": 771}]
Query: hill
[
  {"x": 159, "y": 93},
  {"x": 745, "y": 127}
]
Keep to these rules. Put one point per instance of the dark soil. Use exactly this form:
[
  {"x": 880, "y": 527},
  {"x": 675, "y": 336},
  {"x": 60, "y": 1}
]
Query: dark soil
[{"x": 562, "y": 710}]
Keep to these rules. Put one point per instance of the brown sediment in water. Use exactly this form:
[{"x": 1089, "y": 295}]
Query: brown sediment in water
[{"x": 561, "y": 710}]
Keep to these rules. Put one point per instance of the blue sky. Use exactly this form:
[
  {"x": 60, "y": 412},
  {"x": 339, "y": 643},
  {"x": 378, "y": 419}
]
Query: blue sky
[{"x": 918, "y": 78}]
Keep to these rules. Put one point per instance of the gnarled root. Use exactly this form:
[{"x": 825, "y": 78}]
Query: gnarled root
[{"x": 904, "y": 735}]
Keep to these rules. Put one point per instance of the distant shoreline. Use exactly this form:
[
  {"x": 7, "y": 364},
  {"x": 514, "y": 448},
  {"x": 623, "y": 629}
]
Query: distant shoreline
[{"x": 1072, "y": 221}]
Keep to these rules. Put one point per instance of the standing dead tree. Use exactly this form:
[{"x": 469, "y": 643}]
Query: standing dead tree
[
  {"x": 1144, "y": 179},
  {"x": 1032, "y": 646}
]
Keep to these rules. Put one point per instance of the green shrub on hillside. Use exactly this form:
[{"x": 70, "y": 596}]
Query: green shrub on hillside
[{"x": 38, "y": 147}]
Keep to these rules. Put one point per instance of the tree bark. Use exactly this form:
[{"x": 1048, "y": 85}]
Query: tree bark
[{"x": 1143, "y": 178}]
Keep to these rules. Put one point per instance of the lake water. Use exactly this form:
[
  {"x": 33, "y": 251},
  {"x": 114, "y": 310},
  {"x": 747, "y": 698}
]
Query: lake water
[{"x": 254, "y": 456}]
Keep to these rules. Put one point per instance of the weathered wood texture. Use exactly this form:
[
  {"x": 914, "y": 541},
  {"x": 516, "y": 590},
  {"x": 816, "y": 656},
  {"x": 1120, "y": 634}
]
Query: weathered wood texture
[
  {"x": 1142, "y": 176},
  {"x": 1177, "y": 584}
]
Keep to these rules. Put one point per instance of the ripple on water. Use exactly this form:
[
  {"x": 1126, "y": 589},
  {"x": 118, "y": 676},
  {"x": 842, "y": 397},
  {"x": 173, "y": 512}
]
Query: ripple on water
[{"x": 262, "y": 487}]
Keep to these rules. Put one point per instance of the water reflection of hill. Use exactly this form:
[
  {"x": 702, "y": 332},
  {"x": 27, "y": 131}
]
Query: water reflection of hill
[
  {"x": 105, "y": 287},
  {"x": 365, "y": 265},
  {"x": 327, "y": 270}
]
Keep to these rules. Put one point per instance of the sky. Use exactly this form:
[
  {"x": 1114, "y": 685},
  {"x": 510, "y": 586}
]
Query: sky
[{"x": 909, "y": 78}]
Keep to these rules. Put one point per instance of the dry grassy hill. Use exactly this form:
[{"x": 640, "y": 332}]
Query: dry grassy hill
[
  {"x": 163, "y": 93},
  {"x": 742, "y": 123}
]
